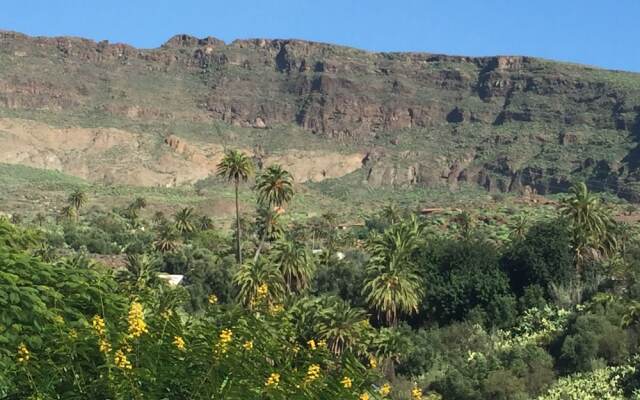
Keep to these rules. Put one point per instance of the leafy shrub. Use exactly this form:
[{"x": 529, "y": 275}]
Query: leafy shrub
[
  {"x": 541, "y": 258},
  {"x": 604, "y": 383},
  {"x": 461, "y": 276},
  {"x": 593, "y": 337}
]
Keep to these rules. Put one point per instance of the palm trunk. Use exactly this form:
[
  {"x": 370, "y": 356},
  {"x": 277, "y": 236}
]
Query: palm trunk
[
  {"x": 238, "y": 248},
  {"x": 259, "y": 249}
]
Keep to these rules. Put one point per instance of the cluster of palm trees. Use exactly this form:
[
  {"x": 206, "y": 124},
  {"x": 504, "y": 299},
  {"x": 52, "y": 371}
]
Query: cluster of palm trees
[
  {"x": 392, "y": 288},
  {"x": 274, "y": 188},
  {"x": 289, "y": 266}
]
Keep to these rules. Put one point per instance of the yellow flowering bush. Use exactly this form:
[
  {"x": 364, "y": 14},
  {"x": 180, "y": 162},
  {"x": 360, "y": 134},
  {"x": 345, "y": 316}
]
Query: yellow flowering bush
[{"x": 137, "y": 325}]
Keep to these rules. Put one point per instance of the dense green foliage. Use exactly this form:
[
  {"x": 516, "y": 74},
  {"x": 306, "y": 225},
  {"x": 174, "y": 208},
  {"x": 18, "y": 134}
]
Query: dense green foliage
[{"x": 404, "y": 307}]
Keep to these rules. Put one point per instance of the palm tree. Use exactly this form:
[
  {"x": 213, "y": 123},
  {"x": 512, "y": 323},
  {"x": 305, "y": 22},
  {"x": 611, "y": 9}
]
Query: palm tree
[
  {"x": 131, "y": 214},
  {"x": 40, "y": 219},
  {"x": 295, "y": 264},
  {"x": 465, "y": 222},
  {"x": 341, "y": 325},
  {"x": 392, "y": 286},
  {"x": 391, "y": 213},
  {"x": 16, "y": 218},
  {"x": 258, "y": 281},
  {"x": 140, "y": 272},
  {"x": 159, "y": 218},
  {"x": 67, "y": 212},
  {"x": 205, "y": 223},
  {"x": 274, "y": 186},
  {"x": 268, "y": 227},
  {"x": 139, "y": 203},
  {"x": 236, "y": 167},
  {"x": 167, "y": 240},
  {"x": 520, "y": 227},
  {"x": 183, "y": 220},
  {"x": 590, "y": 223},
  {"x": 77, "y": 199}
]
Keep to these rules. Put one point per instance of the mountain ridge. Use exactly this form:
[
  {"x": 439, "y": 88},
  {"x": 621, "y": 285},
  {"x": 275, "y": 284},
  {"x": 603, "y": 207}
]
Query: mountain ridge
[{"x": 502, "y": 122}]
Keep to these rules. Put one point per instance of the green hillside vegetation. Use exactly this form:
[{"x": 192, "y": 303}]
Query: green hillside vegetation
[{"x": 485, "y": 302}]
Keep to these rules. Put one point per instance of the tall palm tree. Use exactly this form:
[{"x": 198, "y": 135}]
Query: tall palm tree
[
  {"x": 77, "y": 199},
  {"x": 295, "y": 264},
  {"x": 184, "y": 220},
  {"x": 251, "y": 277},
  {"x": 236, "y": 167},
  {"x": 274, "y": 186},
  {"x": 590, "y": 223},
  {"x": 392, "y": 286}
]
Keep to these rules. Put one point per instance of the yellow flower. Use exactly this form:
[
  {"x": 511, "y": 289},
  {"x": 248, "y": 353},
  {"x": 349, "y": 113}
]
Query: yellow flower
[
  {"x": 98, "y": 325},
  {"x": 121, "y": 361},
  {"x": 248, "y": 345},
  {"x": 167, "y": 314},
  {"x": 213, "y": 299},
  {"x": 178, "y": 341},
  {"x": 58, "y": 320},
  {"x": 312, "y": 344},
  {"x": 23, "y": 353},
  {"x": 416, "y": 393},
  {"x": 104, "y": 345},
  {"x": 373, "y": 363},
  {"x": 364, "y": 396},
  {"x": 346, "y": 382},
  {"x": 275, "y": 309},
  {"x": 385, "y": 389},
  {"x": 225, "y": 337},
  {"x": 322, "y": 344},
  {"x": 73, "y": 334},
  {"x": 263, "y": 289},
  {"x": 273, "y": 380},
  {"x": 137, "y": 326},
  {"x": 126, "y": 347},
  {"x": 313, "y": 373}
]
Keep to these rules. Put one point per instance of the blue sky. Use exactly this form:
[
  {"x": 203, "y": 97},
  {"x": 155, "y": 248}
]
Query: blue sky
[{"x": 604, "y": 33}]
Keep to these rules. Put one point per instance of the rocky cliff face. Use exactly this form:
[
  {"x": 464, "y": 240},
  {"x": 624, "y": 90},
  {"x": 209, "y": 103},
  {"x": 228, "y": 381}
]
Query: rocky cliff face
[{"x": 420, "y": 119}]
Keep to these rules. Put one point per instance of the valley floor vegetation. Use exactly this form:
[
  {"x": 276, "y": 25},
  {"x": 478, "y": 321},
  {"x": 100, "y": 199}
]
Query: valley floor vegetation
[{"x": 408, "y": 306}]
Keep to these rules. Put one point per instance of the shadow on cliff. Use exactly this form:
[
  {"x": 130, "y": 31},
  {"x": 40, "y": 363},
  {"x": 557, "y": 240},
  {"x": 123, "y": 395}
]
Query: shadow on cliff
[{"x": 633, "y": 158}]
